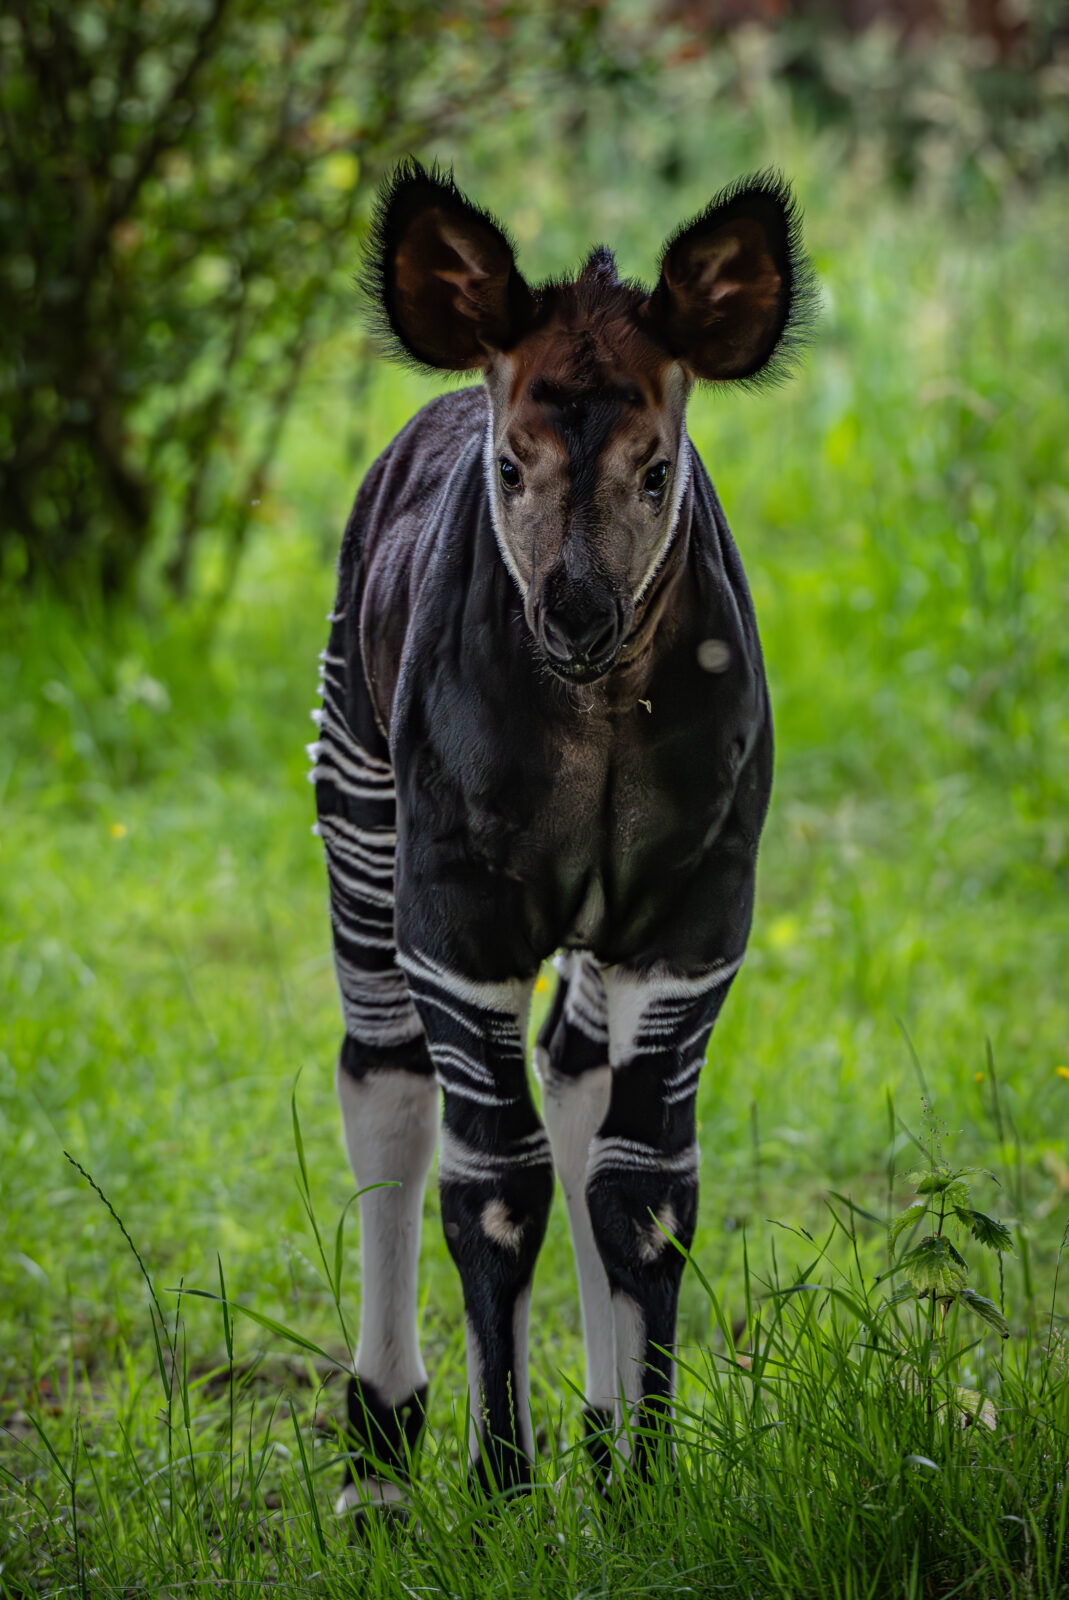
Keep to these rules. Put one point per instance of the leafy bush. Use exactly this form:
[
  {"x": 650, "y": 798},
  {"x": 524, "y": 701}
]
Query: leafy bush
[{"x": 179, "y": 188}]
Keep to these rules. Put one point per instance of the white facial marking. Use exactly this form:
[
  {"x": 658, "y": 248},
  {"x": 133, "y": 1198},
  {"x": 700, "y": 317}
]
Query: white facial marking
[
  {"x": 490, "y": 478},
  {"x": 678, "y": 384}
]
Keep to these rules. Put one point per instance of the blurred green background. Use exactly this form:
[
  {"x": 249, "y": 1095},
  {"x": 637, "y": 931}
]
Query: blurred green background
[{"x": 188, "y": 400}]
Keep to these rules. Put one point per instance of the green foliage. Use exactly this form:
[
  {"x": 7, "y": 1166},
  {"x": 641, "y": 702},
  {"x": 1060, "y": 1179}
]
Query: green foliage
[
  {"x": 182, "y": 188},
  {"x": 946, "y": 101},
  {"x": 809, "y": 1463},
  {"x": 985, "y": 1308},
  {"x": 933, "y": 1268},
  {"x": 988, "y": 1230},
  {"x": 906, "y": 1219}
]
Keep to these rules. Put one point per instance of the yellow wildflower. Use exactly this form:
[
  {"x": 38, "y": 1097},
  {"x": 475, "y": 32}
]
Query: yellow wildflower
[
  {"x": 1063, "y": 1072},
  {"x": 118, "y": 830},
  {"x": 783, "y": 932},
  {"x": 978, "y": 1077}
]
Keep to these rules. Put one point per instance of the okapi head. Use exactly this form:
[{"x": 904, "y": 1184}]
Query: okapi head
[{"x": 586, "y": 461}]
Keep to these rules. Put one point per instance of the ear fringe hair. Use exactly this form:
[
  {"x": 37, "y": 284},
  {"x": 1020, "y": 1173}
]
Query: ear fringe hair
[
  {"x": 373, "y": 280},
  {"x": 803, "y": 295}
]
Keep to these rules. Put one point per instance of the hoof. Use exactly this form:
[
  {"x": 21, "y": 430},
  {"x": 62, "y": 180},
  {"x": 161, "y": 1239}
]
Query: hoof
[
  {"x": 599, "y": 1432},
  {"x": 373, "y": 1497},
  {"x": 373, "y": 1503},
  {"x": 389, "y": 1432},
  {"x": 386, "y": 1439},
  {"x": 501, "y": 1473}
]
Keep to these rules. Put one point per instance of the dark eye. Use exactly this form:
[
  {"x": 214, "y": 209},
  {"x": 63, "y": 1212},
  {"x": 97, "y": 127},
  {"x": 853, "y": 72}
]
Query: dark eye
[
  {"x": 510, "y": 474},
  {"x": 656, "y": 478}
]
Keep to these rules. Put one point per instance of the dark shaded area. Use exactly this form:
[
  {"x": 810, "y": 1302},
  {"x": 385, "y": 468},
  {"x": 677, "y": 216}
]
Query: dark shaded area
[{"x": 182, "y": 186}]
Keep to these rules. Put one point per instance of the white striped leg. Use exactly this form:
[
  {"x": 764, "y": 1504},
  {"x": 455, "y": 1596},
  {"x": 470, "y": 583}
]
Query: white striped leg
[
  {"x": 391, "y": 1125},
  {"x": 572, "y": 1060},
  {"x": 495, "y": 1172},
  {"x": 642, "y": 1180},
  {"x": 385, "y": 1081}
]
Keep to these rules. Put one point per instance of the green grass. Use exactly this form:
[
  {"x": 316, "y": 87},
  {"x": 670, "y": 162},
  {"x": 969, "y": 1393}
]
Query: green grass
[{"x": 165, "y": 975}]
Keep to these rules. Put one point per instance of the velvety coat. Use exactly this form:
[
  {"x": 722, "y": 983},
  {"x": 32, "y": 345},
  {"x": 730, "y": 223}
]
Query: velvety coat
[{"x": 545, "y": 728}]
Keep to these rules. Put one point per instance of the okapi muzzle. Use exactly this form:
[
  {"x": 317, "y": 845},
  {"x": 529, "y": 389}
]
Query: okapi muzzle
[
  {"x": 552, "y": 522},
  {"x": 580, "y": 621}
]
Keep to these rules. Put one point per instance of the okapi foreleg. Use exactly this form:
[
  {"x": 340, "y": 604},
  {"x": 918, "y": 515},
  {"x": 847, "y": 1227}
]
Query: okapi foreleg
[
  {"x": 642, "y": 1181},
  {"x": 495, "y": 1172}
]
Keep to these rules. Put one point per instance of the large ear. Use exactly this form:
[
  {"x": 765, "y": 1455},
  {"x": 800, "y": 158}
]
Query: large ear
[
  {"x": 735, "y": 286},
  {"x": 442, "y": 273}
]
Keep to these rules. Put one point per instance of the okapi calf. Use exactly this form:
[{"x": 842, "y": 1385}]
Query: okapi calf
[{"x": 545, "y": 727}]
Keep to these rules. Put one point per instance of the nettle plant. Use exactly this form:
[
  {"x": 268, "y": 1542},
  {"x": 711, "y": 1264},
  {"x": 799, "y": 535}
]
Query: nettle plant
[{"x": 934, "y": 1268}]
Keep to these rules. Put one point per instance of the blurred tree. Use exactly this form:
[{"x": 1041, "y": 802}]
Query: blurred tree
[
  {"x": 974, "y": 90},
  {"x": 179, "y": 182}
]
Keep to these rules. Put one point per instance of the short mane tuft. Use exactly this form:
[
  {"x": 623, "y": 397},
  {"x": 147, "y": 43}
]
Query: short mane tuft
[{"x": 599, "y": 269}]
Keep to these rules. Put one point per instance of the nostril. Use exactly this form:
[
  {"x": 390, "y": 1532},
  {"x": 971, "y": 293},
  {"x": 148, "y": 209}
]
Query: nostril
[
  {"x": 601, "y": 638},
  {"x": 554, "y": 638}
]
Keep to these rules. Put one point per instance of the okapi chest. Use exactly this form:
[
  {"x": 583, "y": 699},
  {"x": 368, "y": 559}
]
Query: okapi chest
[{"x": 545, "y": 728}]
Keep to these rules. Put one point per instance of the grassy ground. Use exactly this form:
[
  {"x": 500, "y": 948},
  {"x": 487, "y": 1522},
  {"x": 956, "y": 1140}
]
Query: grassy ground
[{"x": 165, "y": 977}]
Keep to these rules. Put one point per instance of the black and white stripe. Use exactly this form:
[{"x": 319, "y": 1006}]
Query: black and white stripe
[
  {"x": 473, "y": 1030},
  {"x": 585, "y": 1007},
  {"x": 357, "y": 812},
  {"x": 632, "y": 1155}
]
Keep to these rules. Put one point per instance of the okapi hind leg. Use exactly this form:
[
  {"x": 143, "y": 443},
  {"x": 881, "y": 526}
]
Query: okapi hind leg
[
  {"x": 572, "y": 1061},
  {"x": 390, "y": 1116},
  {"x": 385, "y": 1080}
]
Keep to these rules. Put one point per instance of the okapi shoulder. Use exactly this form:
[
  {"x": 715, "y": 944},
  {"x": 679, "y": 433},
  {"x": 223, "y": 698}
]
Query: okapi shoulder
[
  {"x": 421, "y": 496},
  {"x": 407, "y": 477}
]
